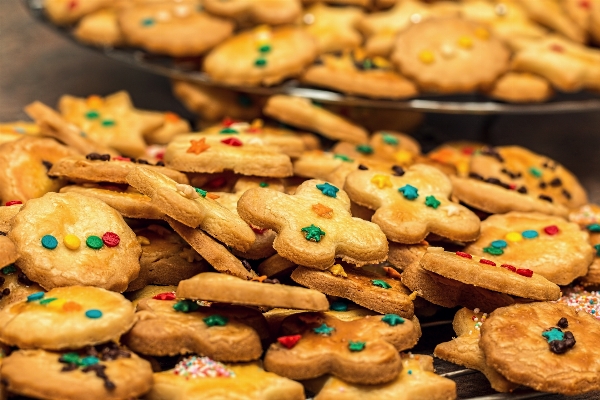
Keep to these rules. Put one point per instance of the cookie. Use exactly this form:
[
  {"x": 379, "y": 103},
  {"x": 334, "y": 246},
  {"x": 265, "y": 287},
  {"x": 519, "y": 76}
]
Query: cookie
[
  {"x": 209, "y": 286},
  {"x": 8, "y": 251},
  {"x": 128, "y": 202},
  {"x": 464, "y": 349},
  {"x": 66, "y": 318},
  {"x": 102, "y": 372},
  {"x": 63, "y": 12},
  {"x": 170, "y": 327},
  {"x": 15, "y": 286},
  {"x": 549, "y": 246},
  {"x": 149, "y": 292},
  {"x": 172, "y": 126},
  {"x": 518, "y": 87},
  {"x": 264, "y": 56},
  {"x": 68, "y": 239},
  {"x": 363, "y": 350},
  {"x": 24, "y": 166},
  {"x": 193, "y": 207},
  {"x": 179, "y": 30},
  {"x": 551, "y": 335},
  {"x": 314, "y": 226},
  {"x": 402, "y": 256},
  {"x": 275, "y": 266},
  {"x": 301, "y": 113},
  {"x": 551, "y": 14},
  {"x": 271, "y": 12},
  {"x": 582, "y": 300},
  {"x": 244, "y": 154},
  {"x": 100, "y": 28},
  {"x": 416, "y": 380},
  {"x": 587, "y": 217},
  {"x": 333, "y": 28},
  {"x": 511, "y": 178},
  {"x": 456, "y": 154},
  {"x": 111, "y": 121},
  {"x": 101, "y": 168},
  {"x": 370, "y": 290},
  {"x": 353, "y": 73},
  {"x": 195, "y": 378},
  {"x": 450, "y": 55},
  {"x": 396, "y": 147},
  {"x": 412, "y": 205},
  {"x": 10, "y": 131}
]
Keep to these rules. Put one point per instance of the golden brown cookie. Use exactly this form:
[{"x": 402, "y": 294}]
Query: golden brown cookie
[
  {"x": 15, "y": 286},
  {"x": 64, "y": 12},
  {"x": 333, "y": 28},
  {"x": 456, "y": 154},
  {"x": 275, "y": 266},
  {"x": 395, "y": 147},
  {"x": 587, "y": 217},
  {"x": 518, "y": 87},
  {"x": 551, "y": 14},
  {"x": 10, "y": 131},
  {"x": 272, "y": 12},
  {"x": 100, "y": 28},
  {"x": 8, "y": 251}
]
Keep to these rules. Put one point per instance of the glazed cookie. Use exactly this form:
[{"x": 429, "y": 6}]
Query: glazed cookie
[
  {"x": 66, "y": 318},
  {"x": 450, "y": 55},
  {"x": 363, "y": 350},
  {"x": 100, "y": 28},
  {"x": 8, "y": 251},
  {"x": 314, "y": 226},
  {"x": 398, "y": 148},
  {"x": 180, "y": 29},
  {"x": 102, "y": 372},
  {"x": 333, "y": 28},
  {"x": 272, "y": 12},
  {"x": 412, "y": 205},
  {"x": 65, "y": 12},
  {"x": 264, "y": 56},
  {"x": 245, "y": 154},
  {"x": 111, "y": 121},
  {"x": 193, "y": 207},
  {"x": 417, "y": 380},
  {"x": 209, "y": 286},
  {"x": 551, "y": 335},
  {"x": 368, "y": 289},
  {"x": 24, "y": 166},
  {"x": 68, "y": 239},
  {"x": 101, "y": 168},
  {"x": 511, "y": 178},
  {"x": 197, "y": 378},
  {"x": 170, "y": 327},
  {"x": 464, "y": 349},
  {"x": 517, "y": 87},
  {"x": 353, "y": 73},
  {"x": 456, "y": 154},
  {"x": 549, "y": 246},
  {"x": 15, "y": 286},
  {"x": 300, "y": 112}
]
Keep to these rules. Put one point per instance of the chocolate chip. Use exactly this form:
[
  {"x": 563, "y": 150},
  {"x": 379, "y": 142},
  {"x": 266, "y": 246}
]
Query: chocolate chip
[
  {"x": 544, "y": 197},
  {"x": 247, "y": 265},
  {"x": 492, "y": 152},
  {"x": 68, "y": 367},
  {"x": 142, "y": 161},
  {"x": 543, "y": 185},
  {"x": 23, "y": 279},
  {"x": 558, "y": 346},
  {"x": 362, "y": 167},
  {"x": 93, "y": 156},
  {"x": 2, "y": 234},
  {"x": 109, "y": 385},
  {"x": 161, "y": 163},
  {"x": 398, "y": 170},
  {"x": 522, "y": 189},
  {"x": 556, "y": 182},
  {"x": 5, "y": 292},
  {"x": 498, "y": 182},
  {"x": 474, "y": 175},
  {"x": 566, "y": 193},
  {"x": 47, "y": 164},
  {"x": 2, "y": 280},
  {"x": 133, "y": 160},
  {"x": 104, "y": 157},
  {"x": 563, "y": 323},
  {"x": 550, "y": 164},
  {"x": 272, "y": 281},
  {"x": 569, "y": 339},
  {"x": 512, "y": 175}
]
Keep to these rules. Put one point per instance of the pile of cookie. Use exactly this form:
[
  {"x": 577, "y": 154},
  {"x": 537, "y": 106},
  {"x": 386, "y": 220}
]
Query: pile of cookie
[
  {"x": 512, "y": 50},
  {"x": 246, "y": 261}
]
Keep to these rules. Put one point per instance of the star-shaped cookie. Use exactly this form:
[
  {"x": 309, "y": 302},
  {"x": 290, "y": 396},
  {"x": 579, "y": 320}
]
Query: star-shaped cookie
[{"x": 333, "y": 28}]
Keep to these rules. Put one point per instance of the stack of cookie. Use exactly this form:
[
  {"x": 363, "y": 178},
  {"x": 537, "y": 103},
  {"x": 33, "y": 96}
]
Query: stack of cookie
[
  {"x": 260, "y": 265},
  {"x": 511, "y": 50}
]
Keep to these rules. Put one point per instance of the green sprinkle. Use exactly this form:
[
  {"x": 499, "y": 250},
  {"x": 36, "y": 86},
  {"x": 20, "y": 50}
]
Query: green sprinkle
[
  {"x": 70, "y": 358},
  {"x": 9, "y": 269},
  {"x": 227, "y": 130},
  {"x": 48, "y": 300},
  {"x": 148, "y": 21},
  {"x": 92, "y": 114},
  {"x": 597, "y": 247},
  {"x": 328, "y": 189},
  {"x": 215, "y": 320},
  {"x": 108, "y": 123},
  {"x": 263, "y": 184},
  {"x": 594, "y": 228},
  {"x": 356, "y": 346},
  {"x": 553, "y": 334},
  {"x": 535, "y": 172},
  {"x": 391, "y": 140},
  {"x": 313, "y": 233},
  {"x": 367, "y": 63},
  {"x": 323, "y": 330},
  {"x": 431, "y": 201},
  {"x": 265, "y": 48},
  {"x": 392, "y": 319},
  {"x": 186, "y": 306},
  {"x": 94, "y": 242},
  {"x": 381, "y": 284},
  {"x": 89, "y": 360},
  {"x": 493, "y": 251},
  {"x": 260, "y": 62},
  {"x": 201, "y": 192},
  {"x": 343, "y": 157},
  {"x": 409, "y": 192},
  {"x": 35, "y": 296},
  {"x": 338, "y": 306},
  {"x": 364, "y": 149}
]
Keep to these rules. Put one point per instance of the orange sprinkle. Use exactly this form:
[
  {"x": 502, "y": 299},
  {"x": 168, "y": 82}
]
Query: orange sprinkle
[
  {"x": 392, "y": 273},
  {"x": 198, "y": 146},
  {"x": 424, "y": 243},
  {"x": 71, "y": 306},
  {"x": 259, "y": 278},
  {"x": 94, "y": 101},
  {"x": 171, "y": 117},
  {"x": 323, "y": 211},
  {"x": 213, "y": 196}
]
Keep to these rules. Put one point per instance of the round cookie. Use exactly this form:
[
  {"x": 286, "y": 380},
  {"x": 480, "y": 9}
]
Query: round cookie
[
  {"x": 107, "y": 373},
  {"x": 66, "y": 318},
  {"x": 518, "y": 87},
  {"x": 15, "y": 286},
  {"x": 450, "y": 55},
  {"x": 69, "y": 239}
]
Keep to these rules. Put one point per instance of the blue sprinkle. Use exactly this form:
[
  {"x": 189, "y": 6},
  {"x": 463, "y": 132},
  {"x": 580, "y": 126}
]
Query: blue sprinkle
[
  {"x": 499, "y": 244},
  {"x": 49, "y": 242},
  {"x": 530, "y": 234},
  {"x": 93, "y": 313},
  {"x": 20, "y": 130},
  {"x": 35, "y": 296}
]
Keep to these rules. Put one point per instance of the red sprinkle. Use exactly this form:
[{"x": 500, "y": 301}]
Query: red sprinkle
[
  {"x": 111, "y": 239},
  {"x": 165, "y": 296},
  {"x": 488, "y": 262},
  {"x": 289, "y": 341},
  {"x": 254, "y": 130},
  {"x": 512, "y": 186},
  {"x": 557, "y": 48},
  {"x": 525, "y": 272},
  {"x": 217, "y": 183},
  {"x": 258, "y": 230},
  {"x": 119, "y": 158},
  {"x": 509, "y": 267},
  {"x": 551, "y": 230},
  {"x": 13, "y": 202},
  {"x": 584, "y": 4},
  {"x": 72, "y": 4},
  {"x": 465, "y": 255},
  {"x": 227, "y": 122},
  {"x": 235, "y": 142},
  {"x": 468, "y": 150}
]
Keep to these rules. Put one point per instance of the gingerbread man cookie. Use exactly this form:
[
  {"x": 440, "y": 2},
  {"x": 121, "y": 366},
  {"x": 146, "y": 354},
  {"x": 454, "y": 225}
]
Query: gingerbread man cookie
[
  {"x": 395, "y": 147},
  {"x": 333, "y": 28}
]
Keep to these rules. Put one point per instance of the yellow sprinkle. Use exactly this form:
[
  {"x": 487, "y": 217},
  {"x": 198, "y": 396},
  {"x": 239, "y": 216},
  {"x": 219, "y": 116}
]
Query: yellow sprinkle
[
  {"x": 514, "y": 237},
  {"x": 381, "y": 181},
  {"x": 381, "y": 62},
  {"x": 94, "y": 101},
  {"x": 462, "y": 167},
  {"x": 426, "y": 57},
  {"x": 403, "y": 157},
  {"x": 465, "y": 42},
  {"x": 72, "y": 242},
  {"x": 56, "y": 304},
  {"x": 412, "y": 296},
  {"x": 482, "y": 33},
  {"x": 143, "y": 240},
  {"x": 338, "y": 270},
  {"x": 257, "y": 123}
]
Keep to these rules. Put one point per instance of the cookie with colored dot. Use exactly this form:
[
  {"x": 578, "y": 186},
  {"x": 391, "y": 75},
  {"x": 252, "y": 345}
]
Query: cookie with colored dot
[
  {"x": 210, "y": 286},
  {"x": 301, "y": 113},
  {"x": 107, "y": 254},
  {"x": 99, "y": 28},
  {"x": 464, "y": 349},
  {"x": 10, "y": 131},
  {"x": 15, "y": 286},
  {"x": 396, "y": 147},
  {"x": 65, "y": 12},
  {"x": 263, "y": 55},
  {"x": 512, "y": 178},
  {"x": 456, "y": 154},
  {"x": 416, "y": 378},
  {"x": 333, "y": 28},
  {"x": 197, "y": 378},
  {"x": 361, "y": 350},
  {"x": 520, "y": 332},
  {"x": 179, "y": 29},
  {"x": 314, "y": 226},
  {"x": 99, "y": 372},
  {"x": 371, "y": 290},
  {"x": 171, "y": 327},
  {"x": 272, "y": 12},
  {"x": 549, "y": 246},
  {"x": 24, "y": 166},
  {"x": 413, "y": 204},
  {"x": 66, "y": 318},
  {"x": 148, "y": 292},
  {"x": 587, "y": 217},
  {"x": 450, "y": 55}
]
